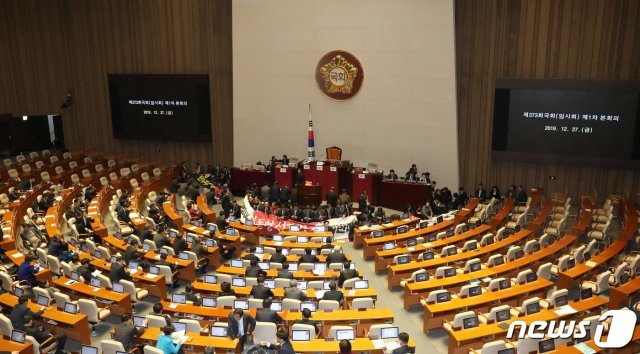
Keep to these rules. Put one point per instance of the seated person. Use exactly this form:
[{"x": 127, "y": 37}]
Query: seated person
[
  {"x": 41, "y": 334},
  {"x": 226, "y": 290}
]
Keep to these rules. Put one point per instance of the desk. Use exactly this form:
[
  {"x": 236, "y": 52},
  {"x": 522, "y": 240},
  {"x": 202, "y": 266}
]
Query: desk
[
  {"x": 372, "y": 244},
  {"x": 631, "y": 348},
  {"x": 413, "y": 291},
  {"x": 241, "y": 179},
  {"x": 76, "y": 326},
  {"x": 396, "y": 195},
  {"x": 290, "y": 245},
  {"x": 465, "y": 212},
  {"x": 120, "y": 303},
  {"x": 325, "y": 176},
  {"x": 156, "y": 285},
  {"x": 54, "y": 214},
  {"x": 435, "y": 314},
  {"x": 536, "y": 224},
  {"x": 13, "y": 347},
  {"x": 384, "y": 258},
  {"x": 310, "y": 195},
  {"x": 197, "y": 342},
  {"x": 250, "y": 233},
  {"x": 361, "y": 321},
  {"x": 569, "y": 278},
  {"x": 135, "y": 212},
  {"x": 209, "y": 215},
  {"x": 169, "y": 208},
  {"x": 584, "y": 220},
  {"x": 502, "y": 215},
  {"x": 213, "y": 253},
  {"x": 17, "y": 258},
  {"x": 285, "y": 176},
  {"x": 360, "y": 233},
  {"x": 398, "y": 272},
  {"x": 309, "y": 234},
  {"x": 367, "y": 182},
  {"x": 461, "y": 340},
  {"x": 273, "y": 273},
  {"x": 97, "y": 207}
]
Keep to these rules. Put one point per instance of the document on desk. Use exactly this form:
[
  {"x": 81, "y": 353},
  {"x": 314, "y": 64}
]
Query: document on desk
[
  {"x": 378, "y": 343},
  {"x": 387, "y": 225},
  {"x": 319, "y": 294},
  {"x": 351, "y": 293},
  {"x": 173, "y": 306},
  {"x": 133, "y": 271},
  {"x": 278, "y": 243},
  {"x": 69, "y": 282},
  {"x": 96, "y": 272},
  {"x": 591, "y": 264},
  {"x": 17, "y": 255},
  {"x": 584, "y": 348},
  {"x": 150, "y": 276},
  {"x": 411, "y": 249},
  {"x": 565, "y": 310}
]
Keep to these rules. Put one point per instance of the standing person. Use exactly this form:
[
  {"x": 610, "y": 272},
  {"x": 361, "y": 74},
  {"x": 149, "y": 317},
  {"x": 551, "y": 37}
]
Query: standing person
[
  {"x": 332, "y": 197},
  {"x": 363, "y": 202},
  {"x": 300, "y": 177},
  {"x": 241, "y": 326}
]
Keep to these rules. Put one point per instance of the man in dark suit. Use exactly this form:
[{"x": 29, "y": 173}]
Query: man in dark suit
[
  {"x": 179, "y": 244},
  {"x": 28, "y": 270},
  {"x": 521, "y": 198},
  {"x": 266, "y": 314},
  {"x": 274, "y": 192},
  {"x": 117, "y": 271},
  {"x": 283, "y": 346},
  {"x": 480, "y": 193},
  {"x": 259, "y": 291},
  {"x": 306, "y": 319},
  {"x": 41, "y": 335},
  {"x": 241, "y": 326},
  {"x": 292, "y": 292},
  {"x": 163, "y": 262},
  {"x": 84, "y": 270},
  {"x": 333, "y": 293},
  {"x": 200, "y": 249},
  {"x": 161, "y": 239},
  {"x": 285, "y": 194},
  {"x": 362, "y": 202},
  {"x": 157, "y": 311},
  {"x": 332, "y": 197},
  {"x": 307, "y": 257},
  {"x": 126, "y": 333},
  {"x": 336, "y": 256},
  {"x": 392, "y": 176},
  {"x": 19, "y": 312},
  {"x": 285, "y": 273},
  {"x": 131, "y": 252},
  {"x": 251, "y": 254},
  {"x": 253, "y": 270},
  {"x": 278, "y": 257},
  {"x": 221, "y": 222},
  {"x": 404, "y": 345},
  {"x": 346, "y": 273}
]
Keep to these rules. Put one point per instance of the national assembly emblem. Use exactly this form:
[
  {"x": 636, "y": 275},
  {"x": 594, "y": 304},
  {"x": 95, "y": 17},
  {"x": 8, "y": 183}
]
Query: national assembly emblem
[{"x": 339, "y": 75}]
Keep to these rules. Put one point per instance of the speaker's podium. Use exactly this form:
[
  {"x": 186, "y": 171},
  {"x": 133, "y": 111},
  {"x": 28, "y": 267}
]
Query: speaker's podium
[
  {"x": 309, "y": 194},
  {"x": 284, "y": 175}
]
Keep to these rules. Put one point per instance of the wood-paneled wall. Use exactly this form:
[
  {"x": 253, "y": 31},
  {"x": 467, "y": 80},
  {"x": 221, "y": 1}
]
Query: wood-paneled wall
[
  {"x": 563, "y": 39},
  {"x": 49, "y": 47}
]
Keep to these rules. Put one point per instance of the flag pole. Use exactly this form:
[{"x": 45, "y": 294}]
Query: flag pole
[{"x": 311, "y": 150}]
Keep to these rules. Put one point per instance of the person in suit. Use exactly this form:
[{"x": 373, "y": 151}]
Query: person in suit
[
  {"x": 200, "y": 249},
  {"x": 306, "y": 319},
  {"x": 266, "y": 314},
  {"x": 226, "y": 290},
  {"x": 278, "y": 257},
  {"x": 332, "y": 197},
  {"x": 511, "y": 192},
  {"x": 333, "y": 293},
  {"x": 253, "y": 270},
  {"x": 118, "y": 271},
  {"x": 307, "y": 257},
  {"x": 300, "y": 177},
  {"x": 221, "y": 221},
  {"x": 83, "y": 269},
  {"x": 190, "y": 296},
  {"x": 55, "y": 246},
  {"x": 336, "y": 256},
  {"x": 126, "y": 333},
  {"x": 292, "y": 292},
  {"x": 345, "y": 347},
  {"x": 362, "y": 202},
  {"x": 157, "y": 311},
  {"x": 163, "y": 261},
  {"x": 392, "y": 176},
  {"x": 494, "y": 193},
  {"x": 283, "y": 345},
  {"x": 241, "y": 326},
  {"x": 285, "y": 194},
  {"x": 285, "y": 273},
  {"x": 131, "y": 252},
  {"x": 251, "y": 254},
  {"x": 265, "y": 191},
  {"x": 259, "y": 291},
  {"x": 521, "y": 197},
  {"x": 28, "y": 270},
  {"x": 161, "y": 239},
  {"x": 179, "y": 244},
  {"x": 480, "y": 193},
  {"x": 41, "y": 335},
  {"x": 425, "y": 177},
  {"x": 165, "y": 341},
  {"x": 346, "y": 273},
  {"x": 404, "y": 345},
  {"x": 19, "y": 312},
  {"x": 461, "y": 199}
]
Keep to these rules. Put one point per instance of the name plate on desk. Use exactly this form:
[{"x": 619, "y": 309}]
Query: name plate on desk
[
  {"x": 283, "y": 170},
  {"x": 361, "y": 175},
  {"x": 333, "y": 169},
  {"x": 319, "y": 167},
  {"x": 307, "y": 167}
]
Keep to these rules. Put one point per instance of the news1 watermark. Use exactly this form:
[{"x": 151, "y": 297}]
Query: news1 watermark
[{"x": 621, "y": 327}]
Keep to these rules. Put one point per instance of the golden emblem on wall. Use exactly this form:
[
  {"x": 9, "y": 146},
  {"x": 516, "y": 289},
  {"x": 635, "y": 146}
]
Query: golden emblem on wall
[{"x": 339, "y": 75}]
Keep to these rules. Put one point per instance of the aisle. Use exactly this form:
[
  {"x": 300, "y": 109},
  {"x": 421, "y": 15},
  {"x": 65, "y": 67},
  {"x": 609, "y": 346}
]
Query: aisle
[{"x": 407, "y": 321}]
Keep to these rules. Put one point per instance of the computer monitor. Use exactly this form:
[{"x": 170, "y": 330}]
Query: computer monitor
[
  {"x": 18, "y": 292},
  {"x": 507, "y": 351},
  {"x": 84, "y": 248},
  {"x": 412, "y": 242},
  {"x": 179, "y": 327},
  {"x": 403, "y": 259},
  {"x": 536, "y": 247},
  {"x": 320, "y": 267},
  {"x": 449, "y": 272},
  {"x": 133, "y": 265},
  {"x": 294, "y": 228},
  {"x": 303, "y": 239},
  {"x": 299, "y": 335},
  {"x": 270, "y": 283},
  {"x": 146, "y": 247},
  {"x": 546, "y": 345},
  {"x": 562, "y": 300},
  {"x": 450, "y": 233},
  {"x": 195, "y": 223},
  {"x": 377, "y": 233},
  {"x": 475, "y": 291},
  {"x": 210, "y": 242},
  {"x": 164, "y": 251},
  {"x": 470, "y": 322},
  {"x": 490, "y": 240},
  {"x": 498, "y": 261},
  {"x": 352, "y": 265},
  {"x": 389, "y": 246},
  {"x": 118, "y": 288},
  {"x": 586, "y": 293},
  {"x": 293, "y": 267},
  {"x": 404, "y": 215},
  {"x": 388, "y": 332},
  {"x": 230, "y": 232},
  {"x": 95, "y": 282},
  {"x": 302, "y": 284},
  {"x": 43, "y": 300},
  {"x": 263, "y": 265},
  {"x": 361, "y": 284},
  {"x": 325, "y": 284},
  {"x": 118, "y": 235},
  {"x": 189, "y": 239},
  {"x": 87, "y": 349},
  {"x": 403, "y": 229},
  {"x": 505, "y": 284},
  {"x": 439, "y": 219},
  {"x": 184, "y": 256},
  {"x": 277, "y": 238},
  {"x": 312, "y": 306},
  {"x": 138, "y": 321},
  {"x": 624, "y": 278},
  {"x": 73, "y": 242},
  {"x": 443, "y": 297},
  {"x": 232, "y": 218},
  {"x": 474, "y": 267},
  {"x": 259, "y": 250},
  {"x": 239, "y": 282},
  {"x": 241, "y": 304},
  {"x": 423, "y": 225},
  {"x": 533, "y": 308},
  {"x": 428, "y": 255},
  {"x": 347, "y": 334},
  {"x": 236, "y": 263},
  {"x": 97, "y": 254},
  {"x": 18, "y": 336},
  {"x": 276, "y": 306},
  {"x": 172, "y": 234},
  {"x": 248, "y": 222},
  {"x": 319, "y": 228},
  {"x": 219, "y": 331},
  {"x": 211, "y": 227},
  {"x": 179, "y": 298},
  {"x": 451, "y": 251},
  {"x": 208, "y": 302},
  {"x": 503, "y": 315},
  {"x": 531, "y": 277},
  {"x": 519, "y": 254},
  {"x": 75, "y": 276},
  {"x": 70, "y": 308},
  {"x": 154, "y": 270},
  {"x": 114, "y": 259},
  {"x": 472, "y": 246},
  {"x": 432, "y": 238}
]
